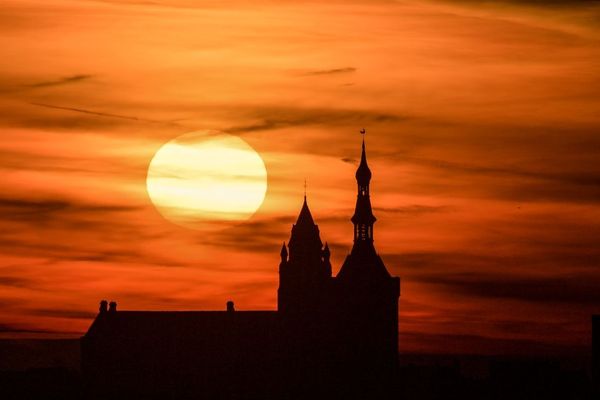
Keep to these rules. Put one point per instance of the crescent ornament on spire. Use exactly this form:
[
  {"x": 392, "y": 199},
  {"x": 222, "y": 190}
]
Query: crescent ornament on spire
[{"x": 363, "y": 131}]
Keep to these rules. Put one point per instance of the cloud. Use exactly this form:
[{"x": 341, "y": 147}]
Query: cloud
[
  {"x": 260, "y": 235},
  {"x": 58, "y": 313},
  {"x": 415, "y": 209},
  {"x": 10, "y": 328},
  {"x": 334, "y": 71},
  {"x": 270, "y": 118},
  {"x": 44, "y": 208},
  {"x": 14, "y": 281},
  {"x": 578, "y": 290},
  {"x": 70, "y": 230},
  {"x": 20, "y": 89},
  {"x": 99, "y": 114},
  {"x": 485, "y": 345},
  {"x": 59, "y": 82}
]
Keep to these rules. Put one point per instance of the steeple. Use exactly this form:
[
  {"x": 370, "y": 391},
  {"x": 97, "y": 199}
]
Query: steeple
[
  {"x": 363, "y": 263},
  {"x": 304, "y": 267},
  {"x": 305, "y": 217},
  {"x": 363, "y": 218},
  {"x": 363, "y": 173},
  {"x": 305, "y": 242}
]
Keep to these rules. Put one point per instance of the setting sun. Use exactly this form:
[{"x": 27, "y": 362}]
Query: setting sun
[{"x": 200, "y": 177}]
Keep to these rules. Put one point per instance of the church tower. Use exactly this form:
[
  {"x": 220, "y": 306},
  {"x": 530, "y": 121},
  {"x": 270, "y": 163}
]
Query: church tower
[
  {"x": 305, "y": 269},
  {"x": 368, "y": 293},
  {"x": 355, "y": 314}
]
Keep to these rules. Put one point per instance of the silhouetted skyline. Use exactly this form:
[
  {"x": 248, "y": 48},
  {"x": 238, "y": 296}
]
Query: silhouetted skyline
[
  {"x": 332, "y": 335},
  {"x": 482, "y": 120}
]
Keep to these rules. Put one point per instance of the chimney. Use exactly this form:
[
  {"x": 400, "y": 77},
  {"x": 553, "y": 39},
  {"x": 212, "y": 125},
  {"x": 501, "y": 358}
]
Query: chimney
[
  {"x": 112, "y": 307},
  {"x": 230, "y": 307},
  {"x": 103, "y": 306}
]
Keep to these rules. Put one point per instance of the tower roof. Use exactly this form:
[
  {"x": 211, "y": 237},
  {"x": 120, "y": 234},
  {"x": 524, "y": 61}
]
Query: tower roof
[
  {"x": 363, "y": 173},
  {"x": 305, "y": 217},
  {"x": 304, "y": 232}
]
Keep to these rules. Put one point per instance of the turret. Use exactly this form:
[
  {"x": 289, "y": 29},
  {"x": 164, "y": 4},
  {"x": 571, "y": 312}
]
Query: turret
[{"x": 304, "y": 268}]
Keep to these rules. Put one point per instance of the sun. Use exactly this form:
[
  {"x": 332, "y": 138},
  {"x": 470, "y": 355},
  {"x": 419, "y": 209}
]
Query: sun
[{"x": 205, "y": 177}]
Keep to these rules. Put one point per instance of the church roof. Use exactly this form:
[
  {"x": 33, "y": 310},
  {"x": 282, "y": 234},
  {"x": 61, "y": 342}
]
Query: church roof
[
  {"x": 305, "y": 217},
  {"x": 363, "y": 264},
  {"x": 158, "y": 326},
  {"x": 305, "y": 233}
]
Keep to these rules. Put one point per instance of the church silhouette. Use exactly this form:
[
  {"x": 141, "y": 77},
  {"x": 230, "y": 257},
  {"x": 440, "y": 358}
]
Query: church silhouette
[{"x": 334, "y": 337}]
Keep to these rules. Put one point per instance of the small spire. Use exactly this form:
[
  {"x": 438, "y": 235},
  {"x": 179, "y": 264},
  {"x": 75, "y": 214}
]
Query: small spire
[
  {"x": 305, "y": 216},
  {"x": 284, "y": 252},
  {"x": 326, "y": 252}
]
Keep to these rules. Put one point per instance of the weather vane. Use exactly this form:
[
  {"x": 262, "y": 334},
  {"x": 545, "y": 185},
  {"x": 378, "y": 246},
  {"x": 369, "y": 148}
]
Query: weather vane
[
  {"x": 304, "y": 187},
  {"x": 363, "y": 131}
]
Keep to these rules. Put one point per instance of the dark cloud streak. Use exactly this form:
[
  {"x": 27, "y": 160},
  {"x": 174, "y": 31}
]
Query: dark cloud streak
[
  {"x": 334, "y": 71},
  {"x": 63, "y": 81},
  {"x": 99, "y": 114}
]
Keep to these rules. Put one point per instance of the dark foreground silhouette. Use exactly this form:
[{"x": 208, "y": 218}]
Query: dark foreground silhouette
[
  {"x": 419, "y": 377},
  {"x": 337, "y": 336}
]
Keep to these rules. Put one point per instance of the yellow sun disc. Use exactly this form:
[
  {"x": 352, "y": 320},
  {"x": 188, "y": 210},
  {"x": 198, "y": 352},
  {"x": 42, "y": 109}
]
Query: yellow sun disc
[{"x": 200, "y": 177}]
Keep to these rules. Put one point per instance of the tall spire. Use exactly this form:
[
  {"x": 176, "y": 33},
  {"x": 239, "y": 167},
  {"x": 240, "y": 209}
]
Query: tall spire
[
  {"x": 363, "y": 173},
  {"x": 363, "y": 218},
  {"x": 363, "y": 263}
]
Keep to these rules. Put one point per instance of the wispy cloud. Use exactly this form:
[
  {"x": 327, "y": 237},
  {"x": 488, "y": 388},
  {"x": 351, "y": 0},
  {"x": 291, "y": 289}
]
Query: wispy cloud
[
  {"x": 58, "y": 82},
  {"x": 333, "y": 71}
]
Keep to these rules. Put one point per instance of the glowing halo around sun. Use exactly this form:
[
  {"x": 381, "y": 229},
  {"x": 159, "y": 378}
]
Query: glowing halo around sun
[{"x": 200, "y": 178}]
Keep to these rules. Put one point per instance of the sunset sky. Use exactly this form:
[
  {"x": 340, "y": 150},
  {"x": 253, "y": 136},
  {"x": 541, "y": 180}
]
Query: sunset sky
[{"x": 483, "y": 123}]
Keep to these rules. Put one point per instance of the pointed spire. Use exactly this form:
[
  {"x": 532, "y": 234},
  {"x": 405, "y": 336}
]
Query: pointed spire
[
  {"x": 305, "y": 217},
  {"x": 326, "y": 252},
  {"x": 363, "y": 173},
  {"x": 284, "y": 252}
]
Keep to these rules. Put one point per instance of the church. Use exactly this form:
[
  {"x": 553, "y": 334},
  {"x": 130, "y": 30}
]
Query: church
[{"x": 331, "y": 336}]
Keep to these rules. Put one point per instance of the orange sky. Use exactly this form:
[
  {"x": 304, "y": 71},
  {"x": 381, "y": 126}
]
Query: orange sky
[{"x": 483, "y": 140}]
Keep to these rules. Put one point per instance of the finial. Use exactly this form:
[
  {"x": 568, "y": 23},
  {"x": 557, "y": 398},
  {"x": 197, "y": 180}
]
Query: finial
[
  {"x": 304, "y": 188},
  {"x": 363, "y": 132}
]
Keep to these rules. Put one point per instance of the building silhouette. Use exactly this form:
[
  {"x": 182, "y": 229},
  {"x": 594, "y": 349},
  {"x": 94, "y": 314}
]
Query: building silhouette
[
  {"x": 330, "y": 336},
  {"x": 596, "y": 353}
]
